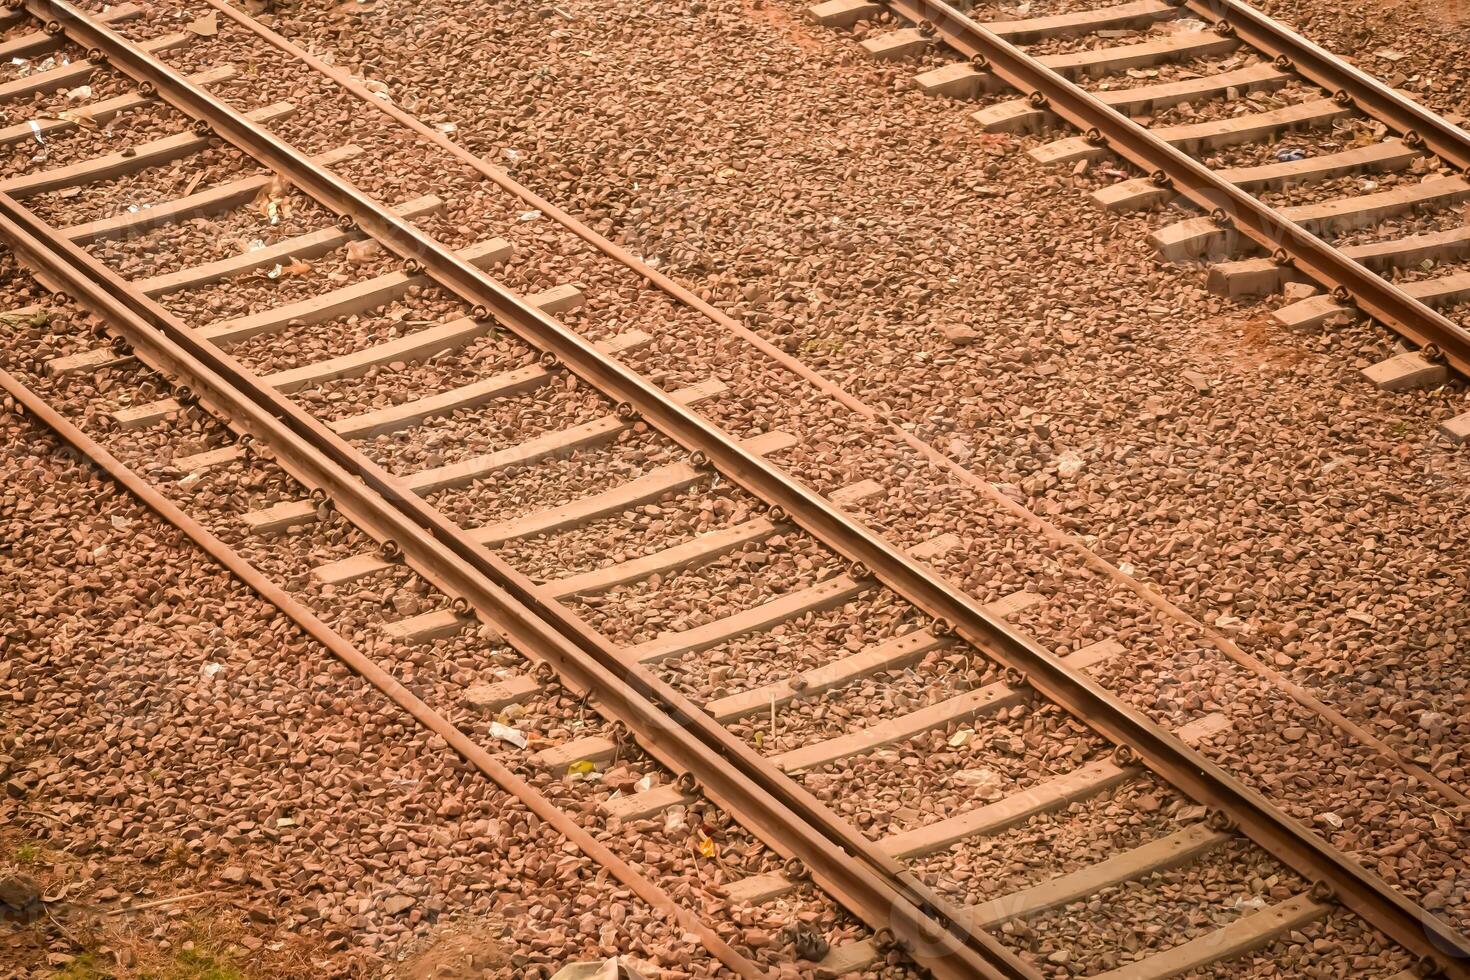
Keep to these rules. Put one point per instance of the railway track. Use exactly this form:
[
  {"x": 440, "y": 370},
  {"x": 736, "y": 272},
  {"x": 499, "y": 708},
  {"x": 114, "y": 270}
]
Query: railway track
[
  {"x": 778, "y": 750},
  {"x": 1287, "y": 157}
]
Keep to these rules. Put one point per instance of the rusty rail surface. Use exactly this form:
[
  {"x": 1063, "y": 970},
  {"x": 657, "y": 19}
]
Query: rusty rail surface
[
  {"x": 28, "y": 402},
  {"x": 699, "y": 745},
  {"x": 665, "y": 723},
  {"x": 1407, "y": 117},
  {"x": 1233, "y": 208},
  {"x": 803, "y": 372}
]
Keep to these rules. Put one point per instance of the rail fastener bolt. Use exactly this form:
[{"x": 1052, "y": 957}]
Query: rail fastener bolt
[
  {"x": 1095, "y": 137},
  {"x": 202, "y": 127},
  {"x": 1282, "y": 63},
  {"x": 979, "y": 62},
  {"x": 687, "y": 783},
  {"x": 927, "y": 28},
  {"x": 795, "y": 869},
  {"x": 1283, "y": 258},
  {"x": 390, "y": 551},
  {"x": 1160, "y": 179},
  {"x": 412, "y": 266},
  {"x": 942, "y": 628},
  {"x": 776, "y": 514},
  {"x": 147, "y": 89},
  {"x": 627, "y": 411},
  {"x": 857, "y": 571},
  {"x": 345, "y": 222},
  {"x": 1224, "y": 28},
  {"x": 1124, "y": 756},
  {"x": 1014, "y": 679},
  {"x": 96, "y": 55},
  {"x": 461, "y": 607},
  {"x": 1413, "y": 140},
  {"x": 1222, "y": 218},
  {"x": 53, "y": 27},
  {"x": 549, "y": 361},
  {"x": 1221, "y": 822},
  {"x": 323, "y": 503},
  {"x": 545, "y": 675},
  {"x": 1428, "y": 967},
  {"x": 121, "y": 347},
  {"x": 480, "y": 312},
  {"x": 1037, "y": 100},
  {"x": 1432, "y": 353},
  {"x": 1342, "y": 97},
  {"x": 1342, "y": 294},
  {"x": 1322, "y": 892}
]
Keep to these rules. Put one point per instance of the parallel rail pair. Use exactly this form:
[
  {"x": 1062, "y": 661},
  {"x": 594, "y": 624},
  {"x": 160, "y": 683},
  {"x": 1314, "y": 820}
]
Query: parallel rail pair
[
  {"x": 668, "y": 725},
  {"x": 995, "y": 53}
]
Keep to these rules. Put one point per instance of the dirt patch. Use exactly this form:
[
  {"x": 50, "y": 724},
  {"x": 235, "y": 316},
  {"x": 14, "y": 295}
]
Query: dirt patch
[
  {"x": 1259, "y": 344},
  {"x": 457, "y": 956},
  {"x": 796, "y": 31}
]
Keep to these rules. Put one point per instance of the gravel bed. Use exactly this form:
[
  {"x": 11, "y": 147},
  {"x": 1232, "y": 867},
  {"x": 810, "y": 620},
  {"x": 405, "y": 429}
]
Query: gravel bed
[
  {"x": 685, "y": 599},
  {"x": 1118, "y": 38},
  {"x": 46, "y": 105},
  {"x": 163, "y": 182},
  {"x": 528, "y": 489},
  {"x": 1356, "y": 186},
  {"x": 209, "y": 238},
  {"x": 1174, "y": 71},
  {"x": 986, "y": 10},
  {"x": 1343, "y": 134},
  {"x": 307, "y": 343},
  {"x": 881, "y": 350},
  {"x": 335, "y": 833},
  {"x": 647, "y": 529},
  {"x": 1418, "y": 46},
  {"x": 1266, "y": 100},
  {"x": 855, "y": 706},
  {"x": 1128, "y": 922},
  {"x": 1429, "y": 270},
  {"x": 448, "y": 440},
  {"x": 912, "y": 783},
  {"x": 978, "y": 869},
  {"x": 798, "y": 644},
  {"x": 439, "y": 672},
  {"x": 1335, "y": 946},
  {"x": 1402, "y": 226}
]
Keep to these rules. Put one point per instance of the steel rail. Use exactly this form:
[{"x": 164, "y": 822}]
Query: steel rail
[
  {"x": 1233, "y": 208},
  {"x": 874, "y": 886},
  {"x": 29, "y": 402},
  {"x": 1449, "y": 142},
  {"x": 775, "y": 809},
  {"x": 1185, "y": 769},
  {"x": 801, "y": 371}
]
